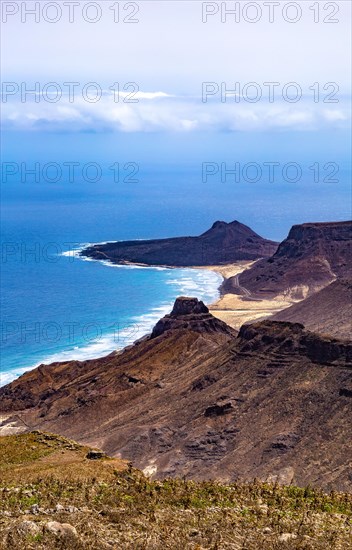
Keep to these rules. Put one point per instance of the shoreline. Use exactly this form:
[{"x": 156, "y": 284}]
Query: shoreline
[
  {"x": 233, "y": 309},
  {"x": 140, "y": 324}
]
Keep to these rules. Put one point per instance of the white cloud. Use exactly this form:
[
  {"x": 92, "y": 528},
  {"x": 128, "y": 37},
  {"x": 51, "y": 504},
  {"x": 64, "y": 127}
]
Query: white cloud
[
  {"x": 161, "y": 112},
  {"x": 334, "y": 115},
  {"x": 145, "y": 95}
]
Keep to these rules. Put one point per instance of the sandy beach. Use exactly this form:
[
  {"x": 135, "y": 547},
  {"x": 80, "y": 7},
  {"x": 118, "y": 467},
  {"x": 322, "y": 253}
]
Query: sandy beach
[{"x": 234, "y": 309}]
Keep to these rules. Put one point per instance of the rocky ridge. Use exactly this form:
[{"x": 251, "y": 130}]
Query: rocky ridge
[{"x": 198, "y": 399}]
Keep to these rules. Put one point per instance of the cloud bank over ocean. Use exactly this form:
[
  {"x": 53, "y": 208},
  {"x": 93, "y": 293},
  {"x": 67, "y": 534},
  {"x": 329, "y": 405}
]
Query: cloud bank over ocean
[{"x": 159, "y": 111}]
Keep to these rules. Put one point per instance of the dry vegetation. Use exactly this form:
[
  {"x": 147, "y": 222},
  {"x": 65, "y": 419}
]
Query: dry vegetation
[{"x": 46, "y": 478}]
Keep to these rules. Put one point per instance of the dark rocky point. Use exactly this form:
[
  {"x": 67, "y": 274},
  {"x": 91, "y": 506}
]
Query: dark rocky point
[{"x": 223, "y": 243}]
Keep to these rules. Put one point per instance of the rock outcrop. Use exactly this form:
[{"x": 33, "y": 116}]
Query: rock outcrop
[
  {"x": 192, "y": 314},
  {"x": 292, "y": 340}
]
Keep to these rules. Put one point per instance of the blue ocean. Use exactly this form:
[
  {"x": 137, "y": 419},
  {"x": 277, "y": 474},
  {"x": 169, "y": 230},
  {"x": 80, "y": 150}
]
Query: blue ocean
[{"x": 56, "y": 306}]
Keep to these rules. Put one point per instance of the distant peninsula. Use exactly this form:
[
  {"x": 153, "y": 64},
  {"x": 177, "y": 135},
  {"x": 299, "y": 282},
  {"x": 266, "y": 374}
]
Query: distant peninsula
[{"x": 223, "y": 243}]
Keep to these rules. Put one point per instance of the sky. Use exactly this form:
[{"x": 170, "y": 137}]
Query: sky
[
  {"x": 172, "y": 49},
  {"x": 169, "y": 55},
  {"x": 176, "y": 82}
]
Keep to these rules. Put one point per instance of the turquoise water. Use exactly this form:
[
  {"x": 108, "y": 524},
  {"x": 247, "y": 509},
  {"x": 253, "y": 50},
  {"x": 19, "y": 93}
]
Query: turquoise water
[{"x": 56, "y": 306}]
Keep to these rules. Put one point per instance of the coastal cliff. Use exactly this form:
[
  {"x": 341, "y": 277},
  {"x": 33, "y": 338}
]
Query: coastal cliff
[{"x": 312, "y": 256}]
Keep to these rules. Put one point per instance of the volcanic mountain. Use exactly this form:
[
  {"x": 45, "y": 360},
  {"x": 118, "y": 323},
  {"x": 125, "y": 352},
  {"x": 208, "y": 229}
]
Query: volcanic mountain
[
  {"x": 195, "y": 398},
  {"x": 222, "y": 243},
  {"x": 312, "y": 256},
  {"x": 328, "y": 311}
]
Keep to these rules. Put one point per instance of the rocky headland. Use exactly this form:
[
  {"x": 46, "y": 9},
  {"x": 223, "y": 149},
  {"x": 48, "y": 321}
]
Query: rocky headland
[{"x": 223, "y": 243}]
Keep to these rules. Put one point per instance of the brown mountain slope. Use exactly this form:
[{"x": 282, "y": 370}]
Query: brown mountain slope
[
  {"x": 222, "y": 243},
  {"x": 312, "y": 256},
  {"x": 197, "y": 399},
  {"x": 328, "y": 311}
]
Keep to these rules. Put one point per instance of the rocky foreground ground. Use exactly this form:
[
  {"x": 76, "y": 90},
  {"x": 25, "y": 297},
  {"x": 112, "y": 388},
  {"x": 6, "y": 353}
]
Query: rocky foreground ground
[{"x": 56, "y": 494}]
